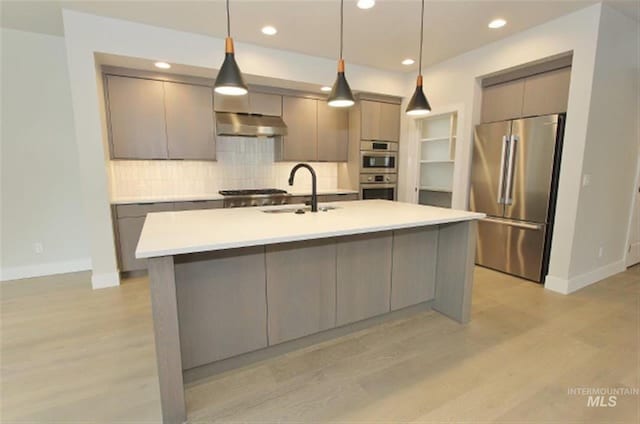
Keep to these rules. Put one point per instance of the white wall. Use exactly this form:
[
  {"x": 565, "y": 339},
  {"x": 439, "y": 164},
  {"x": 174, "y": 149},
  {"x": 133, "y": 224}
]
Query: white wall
[
  {"x": 86, "y": 35},
  {"x": 611, "y": 151},
  {"x": 41, "y": 198},
  {"x": 457, "y": 82}
]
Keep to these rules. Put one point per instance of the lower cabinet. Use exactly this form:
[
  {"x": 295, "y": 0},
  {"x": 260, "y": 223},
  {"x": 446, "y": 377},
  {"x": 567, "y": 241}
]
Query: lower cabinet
[
  {"x": 222, "y": 308},
  {"x": 323, "y": 198},
  {"x": 129, "y": 219},
  {"x": 301, "y": 288},
  {"x": 363, "y": 273},
  {"x": 415, "y": 254}
]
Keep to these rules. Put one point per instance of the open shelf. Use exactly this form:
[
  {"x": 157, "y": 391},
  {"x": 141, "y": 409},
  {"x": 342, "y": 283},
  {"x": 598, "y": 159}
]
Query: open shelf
[
  {"x": 433, "y": 139},
  {"x": 433, "y": 188}
]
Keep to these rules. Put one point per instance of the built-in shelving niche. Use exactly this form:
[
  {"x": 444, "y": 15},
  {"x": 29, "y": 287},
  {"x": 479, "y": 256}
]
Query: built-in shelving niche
[{"x": 437, "y": 145}]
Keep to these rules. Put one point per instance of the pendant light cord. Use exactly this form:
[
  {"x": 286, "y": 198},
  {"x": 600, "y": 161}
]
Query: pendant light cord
[
  {"x": 421, "y": 39},
  {"x": 229, "y": 20},
  {"x": 341, "y": 24}
]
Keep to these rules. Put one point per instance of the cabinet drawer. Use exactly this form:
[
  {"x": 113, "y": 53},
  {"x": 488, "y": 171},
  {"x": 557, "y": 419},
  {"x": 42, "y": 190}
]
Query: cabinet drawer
[
  {"x": 142, "y": 209},
  {"x": 203, "y": 204},
  {"x": 338, "y": 197}
]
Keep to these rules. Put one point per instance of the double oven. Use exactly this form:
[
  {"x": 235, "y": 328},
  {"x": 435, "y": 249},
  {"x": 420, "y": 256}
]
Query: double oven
[{"x": 378, "y": 170}]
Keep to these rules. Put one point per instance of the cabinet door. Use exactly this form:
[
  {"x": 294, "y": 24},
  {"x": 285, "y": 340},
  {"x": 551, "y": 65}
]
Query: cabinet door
[
  {"x": 190, "y": 125},
  {"x": 333, "y": 133},
  {"x": 265, "y": 104},
  {"x": 300, "y": 144},
  {"x": 198, "y": 204},
  {"x": 238, "y": 104},
  {"x": 129, "y": 230},
  {"x": 389, "y": 122},
  {"x": 546, "y": 93},
  {"x": 369, "y": 120},
  {"x": 222, "y": 305},
  {"x": 363, "y": 276},
  {"x": 413, "y": 279},
  {"x": 301, "y": 293},
  {"x": 503, "y": 101},
  {"x": 136, "y": 118}
]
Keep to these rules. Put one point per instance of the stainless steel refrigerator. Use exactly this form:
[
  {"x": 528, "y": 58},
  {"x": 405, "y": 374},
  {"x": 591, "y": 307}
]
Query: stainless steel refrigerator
[{"x": 514, "y": 176}]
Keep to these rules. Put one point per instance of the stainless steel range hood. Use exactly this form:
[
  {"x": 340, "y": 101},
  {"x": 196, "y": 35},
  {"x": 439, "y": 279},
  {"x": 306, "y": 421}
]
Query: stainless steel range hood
[{"x": 249, "y": 125}]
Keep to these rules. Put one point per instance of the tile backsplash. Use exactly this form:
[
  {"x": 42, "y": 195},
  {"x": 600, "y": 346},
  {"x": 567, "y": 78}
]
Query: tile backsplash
[{"x": 242, "y": 163}]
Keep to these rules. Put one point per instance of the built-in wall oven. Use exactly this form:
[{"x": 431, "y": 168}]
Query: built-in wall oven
[
  {"x": 378, "y": 157},
  {"x": 378, "y": 186}
]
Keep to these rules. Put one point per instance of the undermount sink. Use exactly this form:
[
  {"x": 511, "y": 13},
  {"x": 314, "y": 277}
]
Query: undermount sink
[{"x": 300, "y": 210}]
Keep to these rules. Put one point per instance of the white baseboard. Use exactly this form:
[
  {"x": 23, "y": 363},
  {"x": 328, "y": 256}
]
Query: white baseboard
[
  {"x": 39, "y": 270},
  {"x": 561, "y": 285},
  {"x": 104, "y": 280}
]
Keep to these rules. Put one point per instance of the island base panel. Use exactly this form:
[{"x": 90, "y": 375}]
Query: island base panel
[
  {"x": 164, "y": 308},
  {"x": 413, "y": 276},
  {"x": 454, "y": 275},
  {"x": 222, "y": 306}
]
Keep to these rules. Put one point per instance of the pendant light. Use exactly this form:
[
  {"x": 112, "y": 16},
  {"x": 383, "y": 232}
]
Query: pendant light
[
  {"x": 341, "y": 95},
  {"x": 419, "y": 105},
  {"x": 229, "y": 81}
]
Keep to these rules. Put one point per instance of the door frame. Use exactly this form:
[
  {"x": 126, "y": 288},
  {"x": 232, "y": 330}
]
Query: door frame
[{"x": 629, "y": 259}]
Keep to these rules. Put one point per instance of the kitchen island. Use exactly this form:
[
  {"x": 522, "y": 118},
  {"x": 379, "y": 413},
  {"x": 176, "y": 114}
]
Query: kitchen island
[{"x": 231, "y": 282}]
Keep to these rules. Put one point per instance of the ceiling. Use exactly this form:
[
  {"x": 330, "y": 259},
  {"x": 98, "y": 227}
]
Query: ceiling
[{"x": 380, "y": 37}]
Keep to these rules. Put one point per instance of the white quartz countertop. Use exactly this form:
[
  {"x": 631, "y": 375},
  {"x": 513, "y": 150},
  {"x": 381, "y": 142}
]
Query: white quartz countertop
[
  {"x": 174, "y": 233},
  {"x": 213, "y": 196}
]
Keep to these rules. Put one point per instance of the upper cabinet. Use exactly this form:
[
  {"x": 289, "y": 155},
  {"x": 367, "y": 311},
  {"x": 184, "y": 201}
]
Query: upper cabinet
[
  {"x": 259, "y": 103},
  {"x": 136, "y": 118},
  {"x": 315, "y": 131},
  {"x": 503, "y": 101},
  {"x": 379, "y": 121},
  {"x": 190, "y": 125},
  {"x": 151, "y": 119},
  {"x": 541, "y": 94},
  {"x": 546, "y": 93}
]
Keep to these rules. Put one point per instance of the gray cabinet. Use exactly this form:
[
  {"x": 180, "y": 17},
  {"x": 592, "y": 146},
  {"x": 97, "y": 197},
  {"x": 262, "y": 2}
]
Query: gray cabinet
[
  {"x": 238, "y": 104},
  {"x": 301, "y": 293},
  {"x": 189, "y": 120},
  {"x": 413, "y": 278},
  {"x": 540, "y": 94},
  {"x": 363, "y": 276},
  {"x": 301, "y": 141},
  {"x": 316, "y": 132},
  {"x": 150, "y": 119},
  {"x": 322, "y": 198},
  {"x": 222, "y": 308},
  {"x": 503, "y": 101},
  {"x": 379, "y": 121},
  {"x": 129, "y": 220},
  {"x": 333, "y": 133},
  {"x": 136, "y": 118},
  {"x": 546, "y": 93},
  {"x": 265, "y": 104}
]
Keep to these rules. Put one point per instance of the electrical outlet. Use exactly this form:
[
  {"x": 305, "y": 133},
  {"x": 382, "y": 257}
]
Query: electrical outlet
[
  {"x": 38, "y": 247},
  {"x": 600, "y": 251},
  {"x": 586, "y": 180}
]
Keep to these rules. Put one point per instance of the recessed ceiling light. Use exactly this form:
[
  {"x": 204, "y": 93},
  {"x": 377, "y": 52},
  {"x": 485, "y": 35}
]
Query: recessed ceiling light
[
  {"x": 269, "y": 30},
  {"x": 325, "y": 88},
  {"x": 162, "y": 65},
  {"x": 408, "y": 62},
  {"x": 366, "y": 4},
  {"x": 497, "y": 23}
]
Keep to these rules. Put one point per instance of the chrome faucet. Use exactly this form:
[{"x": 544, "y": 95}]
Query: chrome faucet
[{"x": 314, "y": 191}]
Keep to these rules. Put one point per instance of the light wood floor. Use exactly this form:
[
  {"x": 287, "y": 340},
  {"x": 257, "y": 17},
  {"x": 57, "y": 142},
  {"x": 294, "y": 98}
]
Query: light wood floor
[{"x": 70, "y": 354}]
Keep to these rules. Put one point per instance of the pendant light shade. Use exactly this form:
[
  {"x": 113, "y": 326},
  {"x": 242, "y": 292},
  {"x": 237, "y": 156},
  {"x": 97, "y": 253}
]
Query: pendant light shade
[
  {"x": 229, "y": 81},
  {"x": 341, "y": 95},
  {"x": 419, "y": 105}
]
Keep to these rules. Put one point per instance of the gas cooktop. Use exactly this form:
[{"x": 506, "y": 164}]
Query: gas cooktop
[{"x": 254, "y": 197}]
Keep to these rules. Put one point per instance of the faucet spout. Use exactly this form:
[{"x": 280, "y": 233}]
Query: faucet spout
[{"x": 314, "y": 191}]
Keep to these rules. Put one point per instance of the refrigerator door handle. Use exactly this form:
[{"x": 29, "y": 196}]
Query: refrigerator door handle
[
  {"x": 524, "y": 225},
  {"x": 500, "y": 199},
  {"x": 512, "y": 153}
]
